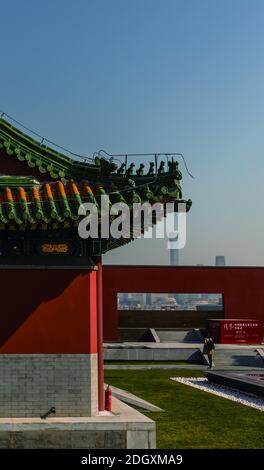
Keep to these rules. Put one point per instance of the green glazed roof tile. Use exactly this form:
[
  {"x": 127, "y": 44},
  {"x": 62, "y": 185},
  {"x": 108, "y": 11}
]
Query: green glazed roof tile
[
  {"x": 54, "y": 203},
  {"x": 26, "y": 200}
]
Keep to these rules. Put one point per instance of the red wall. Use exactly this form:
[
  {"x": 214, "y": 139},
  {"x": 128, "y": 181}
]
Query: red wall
[
  {"x": 10, "y": 165},
  {"x": 242, "y": 288},
  {"x": 48, "y": 311}
]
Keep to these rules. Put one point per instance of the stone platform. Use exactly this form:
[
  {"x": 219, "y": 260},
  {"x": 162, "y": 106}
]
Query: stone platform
[
  {"x": 226, "y": 355},
  {"x": 123, "y": 428},
  {"x": 250, "y": 381}
]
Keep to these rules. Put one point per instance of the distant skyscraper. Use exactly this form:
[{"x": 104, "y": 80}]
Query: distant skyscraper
[
  {"x": 220, "y": 260},
  {"x": 172, "y": 246},
  {"x": 125, "y": 297},
  {"x": 148, "y": 299}
]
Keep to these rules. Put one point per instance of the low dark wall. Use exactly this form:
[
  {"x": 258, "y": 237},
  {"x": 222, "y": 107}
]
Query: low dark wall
[{"x": 165, "y": 318}]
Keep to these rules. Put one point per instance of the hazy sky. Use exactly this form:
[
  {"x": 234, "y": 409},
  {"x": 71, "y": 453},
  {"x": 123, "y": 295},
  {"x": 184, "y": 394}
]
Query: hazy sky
[{"x": 152, "y": 76}]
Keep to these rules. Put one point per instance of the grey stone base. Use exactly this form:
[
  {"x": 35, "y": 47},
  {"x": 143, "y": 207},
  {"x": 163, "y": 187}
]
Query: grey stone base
[
  {"x": 125, "y": 428},
  {"x": 30, "y": 384},
  {"x": 148, "y": 353}
]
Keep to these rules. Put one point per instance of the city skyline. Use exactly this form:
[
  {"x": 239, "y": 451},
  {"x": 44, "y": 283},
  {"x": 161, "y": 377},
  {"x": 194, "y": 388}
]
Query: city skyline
[{"x": 170, "y": 300}]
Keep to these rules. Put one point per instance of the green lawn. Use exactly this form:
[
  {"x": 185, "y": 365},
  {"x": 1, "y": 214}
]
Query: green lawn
[{"x": 192, "y": 418}]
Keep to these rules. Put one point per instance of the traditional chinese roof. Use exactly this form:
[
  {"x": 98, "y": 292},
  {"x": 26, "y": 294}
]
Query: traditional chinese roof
[{"x": 27, "y": 202}]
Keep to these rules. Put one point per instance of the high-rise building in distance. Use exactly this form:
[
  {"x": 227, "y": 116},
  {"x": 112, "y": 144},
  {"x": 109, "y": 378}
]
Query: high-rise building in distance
[
  {"x": 220, "y": 260},
  {"x": 172, "y": 246}
]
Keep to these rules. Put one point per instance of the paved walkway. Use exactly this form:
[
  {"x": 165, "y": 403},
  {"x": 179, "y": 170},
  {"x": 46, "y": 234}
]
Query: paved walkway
[
  {"x": 178, "y": 346},
  {"x": 175, "y": 367}
]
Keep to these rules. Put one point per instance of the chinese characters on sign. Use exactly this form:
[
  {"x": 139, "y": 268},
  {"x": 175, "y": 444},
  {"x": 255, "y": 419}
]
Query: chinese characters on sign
[
  {"x": 235, "y": 331},
  {"x": 55, "y": 248},
  {"x": 239, "y": 326}
]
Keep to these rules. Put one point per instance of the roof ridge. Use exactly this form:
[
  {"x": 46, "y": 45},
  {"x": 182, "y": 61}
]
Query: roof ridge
[{"x": 60, "y": 166}]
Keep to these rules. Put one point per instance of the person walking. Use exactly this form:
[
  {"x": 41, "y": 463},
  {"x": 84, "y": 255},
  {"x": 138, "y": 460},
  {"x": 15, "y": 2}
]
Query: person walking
[{"x": 209, "y": 349}]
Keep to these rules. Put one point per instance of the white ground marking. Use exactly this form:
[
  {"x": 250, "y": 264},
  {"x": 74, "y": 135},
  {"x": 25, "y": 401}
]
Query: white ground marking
[{"x": 248, "y": 399}]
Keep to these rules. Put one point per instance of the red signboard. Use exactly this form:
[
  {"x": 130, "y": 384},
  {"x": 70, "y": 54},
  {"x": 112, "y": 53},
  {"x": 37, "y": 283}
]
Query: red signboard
[{"x": 235, "y": 331}]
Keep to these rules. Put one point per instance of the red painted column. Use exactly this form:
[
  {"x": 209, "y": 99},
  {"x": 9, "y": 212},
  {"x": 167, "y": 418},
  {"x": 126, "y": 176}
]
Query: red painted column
[{"x": 101, "y": 400}]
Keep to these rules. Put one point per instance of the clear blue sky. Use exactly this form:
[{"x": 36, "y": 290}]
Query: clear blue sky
[{"x": 150, "y": 76}]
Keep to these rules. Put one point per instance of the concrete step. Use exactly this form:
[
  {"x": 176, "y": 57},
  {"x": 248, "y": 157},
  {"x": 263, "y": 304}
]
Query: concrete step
[
  {"x": 229, "y": 356},
  {"x": 242, "y": 352},
  {"x": 238, "y": 357},
  {"x": 237, "y": 360},
  {"x": 178, "y": 336},
  {"x": 130, "y": 334}
]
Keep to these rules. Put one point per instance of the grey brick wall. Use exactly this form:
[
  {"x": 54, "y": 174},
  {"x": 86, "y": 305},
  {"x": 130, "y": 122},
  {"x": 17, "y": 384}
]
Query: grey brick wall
[{"x": 30, "y": 384}]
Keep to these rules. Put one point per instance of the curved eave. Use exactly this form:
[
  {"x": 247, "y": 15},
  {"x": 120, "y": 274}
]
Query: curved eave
[
  {"x": 59, "y": 166},
  {"x": 117, "y": 243}
]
